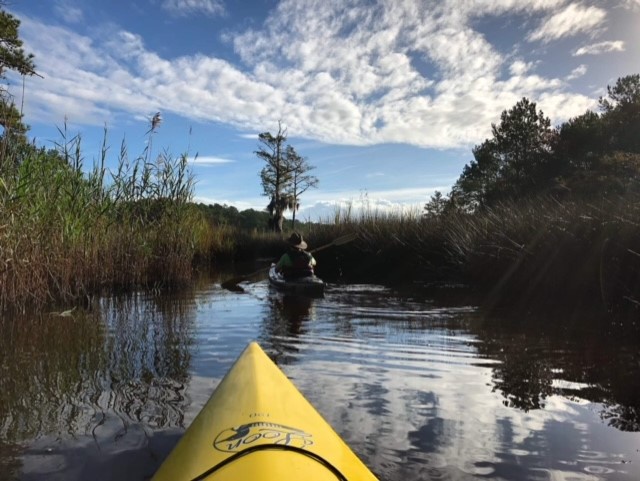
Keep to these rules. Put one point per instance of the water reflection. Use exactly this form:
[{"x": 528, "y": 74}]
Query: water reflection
[
  {"x": 148, "y": 358},
  {"x": 96, "y": 373},
  {"x": 420, "y": 391},
  {"x": 46, "y": 361},
  {"x": 293, "y": 310},
  {"x": 541, "y": 358}
]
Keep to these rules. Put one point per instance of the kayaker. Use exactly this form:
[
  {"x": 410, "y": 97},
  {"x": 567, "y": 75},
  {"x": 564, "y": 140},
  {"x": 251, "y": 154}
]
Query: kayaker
[{"x": 296, "y": 262}]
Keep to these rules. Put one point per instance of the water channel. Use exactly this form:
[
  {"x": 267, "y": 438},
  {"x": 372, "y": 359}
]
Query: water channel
[{"x": 419, "y": 389}]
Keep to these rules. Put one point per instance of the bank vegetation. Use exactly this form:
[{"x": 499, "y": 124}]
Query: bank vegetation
[{"x": 541, "y": 216}]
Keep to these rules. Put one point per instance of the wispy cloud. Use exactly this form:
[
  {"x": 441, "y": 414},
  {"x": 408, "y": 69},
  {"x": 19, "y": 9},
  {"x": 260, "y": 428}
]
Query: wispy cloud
[
  {"x": 335, "y": 75},
  {"x": 577, "y": 72},
  {"x": 69, "y": 12},
  {"x": 209, "y": 160},
  {"x": 571, "y": 20},
  {"x": 633, "y": 4},
  {"x": 520, "y": 68},
  {"x": 601, "y": 47},
  {"x": 185, "y": 8}
]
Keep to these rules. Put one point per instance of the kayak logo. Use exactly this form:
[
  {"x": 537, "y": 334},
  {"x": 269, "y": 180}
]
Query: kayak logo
[{"x": 236, "y": 439}]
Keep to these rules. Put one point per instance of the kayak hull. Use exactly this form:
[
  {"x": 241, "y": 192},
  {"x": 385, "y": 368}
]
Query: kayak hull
[
  {"x": 310, "y": 286},
  {"x": 257, "y": 425}
]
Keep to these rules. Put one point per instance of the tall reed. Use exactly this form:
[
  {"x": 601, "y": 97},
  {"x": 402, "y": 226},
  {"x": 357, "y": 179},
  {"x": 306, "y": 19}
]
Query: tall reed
[
  {"x": 67, "y": 231},
  {"x": 536, "y": 251}
]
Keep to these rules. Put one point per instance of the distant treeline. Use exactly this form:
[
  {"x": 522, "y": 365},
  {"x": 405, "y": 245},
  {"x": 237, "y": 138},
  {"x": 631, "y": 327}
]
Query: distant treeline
[{"x": 247, "y": 220}]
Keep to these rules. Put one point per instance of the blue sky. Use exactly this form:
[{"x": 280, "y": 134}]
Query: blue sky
[{"x": 385, "y": 98}]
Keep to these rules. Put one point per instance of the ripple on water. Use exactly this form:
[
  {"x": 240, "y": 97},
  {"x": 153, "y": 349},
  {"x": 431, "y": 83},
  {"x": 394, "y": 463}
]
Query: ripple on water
[{"x": 420, "y": 392}]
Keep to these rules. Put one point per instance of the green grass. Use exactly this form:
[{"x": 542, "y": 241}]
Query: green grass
[{"x": 67, "y": 232}]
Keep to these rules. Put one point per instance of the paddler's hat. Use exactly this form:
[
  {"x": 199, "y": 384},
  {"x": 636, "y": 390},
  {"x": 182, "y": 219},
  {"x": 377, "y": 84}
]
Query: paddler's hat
[{"x": 296, "y": 241}]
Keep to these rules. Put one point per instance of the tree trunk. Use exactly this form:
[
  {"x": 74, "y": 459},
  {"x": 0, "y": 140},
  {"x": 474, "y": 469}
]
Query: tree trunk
[
  {"x": 279, "y": 220},
  {"x": 276, "y": 221}
]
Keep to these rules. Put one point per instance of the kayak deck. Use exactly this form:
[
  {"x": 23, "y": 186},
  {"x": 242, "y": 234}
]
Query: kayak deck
[
  {"x": 311, "y": 286},
  {"x": 258, "y": 426}
]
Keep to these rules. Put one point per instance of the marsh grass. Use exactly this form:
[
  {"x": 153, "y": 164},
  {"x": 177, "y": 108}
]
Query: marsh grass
[
  {"x": 534, "y": 252},
  {"x": 67, "y": 232}
]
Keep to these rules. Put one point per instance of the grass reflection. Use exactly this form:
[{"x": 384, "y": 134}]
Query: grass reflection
[{"x": 126, "y": 358}]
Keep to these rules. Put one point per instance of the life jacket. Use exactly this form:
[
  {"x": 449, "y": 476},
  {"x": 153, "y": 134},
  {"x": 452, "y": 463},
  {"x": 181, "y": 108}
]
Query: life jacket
[{"x": 300, "y": 264}]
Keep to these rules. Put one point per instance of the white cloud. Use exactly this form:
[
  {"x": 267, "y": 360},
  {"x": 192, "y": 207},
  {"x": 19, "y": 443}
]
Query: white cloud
[
  {"x": 404, "y": 72},
  {"x": 571, "y": 20},
  {"x": 406, "y": 104},
  {"x": 520, "y": 67},
  {"x": 240, "y": 204},
  {"x": 632, "y": 4},
  {"x": 209, "y": 160},
  {"x": 561, "y": 106},
  {"x": 408, "y": 196},
  {"x": 577, "y": 72},
  {"x": 183, "y": 8},
  {"x": 601, "y": 47}
]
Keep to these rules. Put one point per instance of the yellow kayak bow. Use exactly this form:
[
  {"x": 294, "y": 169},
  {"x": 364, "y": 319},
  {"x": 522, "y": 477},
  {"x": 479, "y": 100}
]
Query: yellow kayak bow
[{"x": 258, "y": 426}]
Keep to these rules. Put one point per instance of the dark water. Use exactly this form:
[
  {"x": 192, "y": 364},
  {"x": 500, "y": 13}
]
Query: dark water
[{"x": 418, "y": 390}]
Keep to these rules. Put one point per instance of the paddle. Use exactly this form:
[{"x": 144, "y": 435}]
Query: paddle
[{"x": 232, "y": 284}]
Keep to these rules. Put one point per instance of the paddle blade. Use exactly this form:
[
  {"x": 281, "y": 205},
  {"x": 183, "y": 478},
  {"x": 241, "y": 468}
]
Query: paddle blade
[
  {"x": 345, "y": 239},
  {"x": 336, "y": 242},
  {"x": 232, "y": 285}
]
